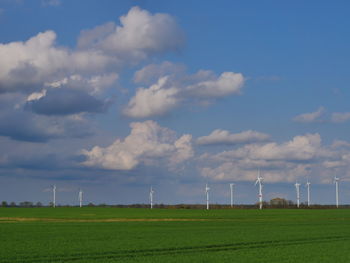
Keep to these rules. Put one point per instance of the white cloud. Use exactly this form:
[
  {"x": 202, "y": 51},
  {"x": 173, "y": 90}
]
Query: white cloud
[
  {"x": 148, "y": 143},
  {"x": 340, "y": 117},
  {"x": 139, "y": 35},
  {"x": 153, "y": 101},
  {"x": 27, "y": 65},
  {"x": 310, "y": 117},
  {"x": 178, "y": 87},
  {"x": 300, "y": 148},
  {"x": 226, "y": 84},
  {"x": 225, "y": 137},
  {"x": 279, "y": 162},
  {"x": 184, "y": 150},
  {"x": 102, "y": 51},
  {"x": 99, "y": 82},
  {"x": 94, "y": 84},
  {"x": 37, "y": 95},
  {"x": 237, "y": 171}
]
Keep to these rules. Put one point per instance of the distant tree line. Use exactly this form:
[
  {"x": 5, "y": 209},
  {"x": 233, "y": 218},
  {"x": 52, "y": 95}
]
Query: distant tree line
[
  {"x": 21, "y": 204},
  {"x": 273, "y": 203}
]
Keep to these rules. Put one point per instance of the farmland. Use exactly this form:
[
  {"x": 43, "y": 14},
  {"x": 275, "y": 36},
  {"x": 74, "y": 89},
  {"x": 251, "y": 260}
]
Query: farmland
[{"x": 93, "y": 234}]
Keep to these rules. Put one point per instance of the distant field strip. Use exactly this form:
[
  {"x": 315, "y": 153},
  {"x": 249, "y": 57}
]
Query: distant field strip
[
  {"x": 124, "y": 254},
  {"x": 106, "y": 220},
  {"x": 72, "y": 220}
]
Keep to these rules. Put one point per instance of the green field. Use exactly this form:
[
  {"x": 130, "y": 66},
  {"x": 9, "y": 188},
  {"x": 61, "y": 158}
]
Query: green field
[{"x": 128, "y": 235}]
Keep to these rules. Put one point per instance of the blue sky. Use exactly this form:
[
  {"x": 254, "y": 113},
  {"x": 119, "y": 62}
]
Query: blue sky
[{"x": 116, "y": 96}]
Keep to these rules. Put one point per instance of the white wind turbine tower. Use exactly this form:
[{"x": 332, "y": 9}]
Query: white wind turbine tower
[
  {"x": 308, "y": 192},
  {"x": 232, "y": 188},
  {"x": 80, "y": 198},
  {"x": 207, "y": 194},
  {"x": 259, "y": 181},
  {"x": 151, "y": 192},
  {"x": 336, "y": 181},
  {"x": 297, "y": 188},
  {"x": 54, "y": 195}
]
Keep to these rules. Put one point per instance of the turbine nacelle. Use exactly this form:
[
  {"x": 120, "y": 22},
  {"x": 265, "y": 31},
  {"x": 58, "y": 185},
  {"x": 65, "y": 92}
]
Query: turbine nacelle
[
  {"x": 151, "y": 192},
  {"x": 207, "y": 188},
  {"x": 259, "y": 180}
]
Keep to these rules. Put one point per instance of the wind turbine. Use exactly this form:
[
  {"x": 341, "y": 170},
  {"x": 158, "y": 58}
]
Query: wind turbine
[
  {"x": 231, "y": 187},
  {"x": 80, "y": 198},
  {"x": 54, "y": 195},
  {"x": 308, "y": 192},
  {"x": 297, "y": 187},
  {"x": 207, "y": 194},
  {"x": 259, "y": 181},
  {"x": 151, "y": 192},
  {"x": 336, "y": 181}
]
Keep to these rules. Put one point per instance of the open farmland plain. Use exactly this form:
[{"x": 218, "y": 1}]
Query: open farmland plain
[{"x": 92, "y": 234}]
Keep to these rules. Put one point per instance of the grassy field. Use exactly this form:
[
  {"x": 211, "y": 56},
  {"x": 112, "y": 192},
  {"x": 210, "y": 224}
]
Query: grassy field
[{"x": 142, "y": 235}]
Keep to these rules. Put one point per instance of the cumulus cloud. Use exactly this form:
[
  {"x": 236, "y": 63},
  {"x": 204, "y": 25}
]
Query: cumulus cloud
[
  {"x": 59, "y": 83},
  {"x": 147, "y": 143},
  {"x": 177, "y": 87},
  {"x": 153, "y": 101},
  {"x": 225, "y": 137},
  {"x": 300, "y": 148},
  {"x": 27, "y": 65},
  {"x": 184, "y": 150},
  {"x": 94, "y": 84},
  {"x": 214, "y": 87},
  {"x": 340, "y": 117},
  {"x": 282, "y": 172},
  {"x": 279, "y": 162},
  {"x": 65, "y": 102},
  {"x": 311, "y": 117},
  {"x": 139, "y": 35}
]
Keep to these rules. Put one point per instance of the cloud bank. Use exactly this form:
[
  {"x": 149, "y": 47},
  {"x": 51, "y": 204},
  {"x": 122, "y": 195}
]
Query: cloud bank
[
  {"x": 174, "y": 87},
  {"x": 148, "y": 143},
  {"x": 225, "y": 137},
  {"x": 284, "y": 162}
]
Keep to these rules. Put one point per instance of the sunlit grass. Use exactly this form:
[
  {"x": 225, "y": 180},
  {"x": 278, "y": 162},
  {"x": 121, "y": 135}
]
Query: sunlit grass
[{"x": 228, "y": 236}]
